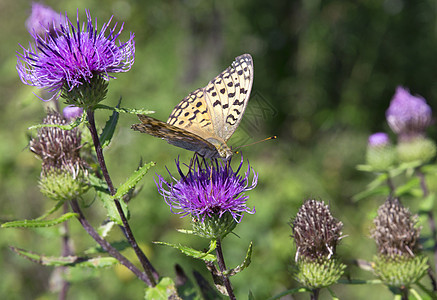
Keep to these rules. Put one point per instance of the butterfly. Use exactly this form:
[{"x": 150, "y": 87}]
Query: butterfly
[{"x": 205, "y": 120}]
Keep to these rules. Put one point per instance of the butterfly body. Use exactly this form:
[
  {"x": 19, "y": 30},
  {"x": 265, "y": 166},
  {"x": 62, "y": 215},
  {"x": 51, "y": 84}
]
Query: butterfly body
[{"x": 205, "y": 120}]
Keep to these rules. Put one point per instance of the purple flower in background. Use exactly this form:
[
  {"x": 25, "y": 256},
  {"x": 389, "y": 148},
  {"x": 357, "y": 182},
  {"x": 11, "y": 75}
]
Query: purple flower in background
[
  {"x": 43, "y": 18},
  {"x": 208, "y": 190},
  {"x": 73, "y": 55},
  {"x": 408, "y": 115},
  {"x": 72, "y": 112},
  {"x": 379, "y": 139}
]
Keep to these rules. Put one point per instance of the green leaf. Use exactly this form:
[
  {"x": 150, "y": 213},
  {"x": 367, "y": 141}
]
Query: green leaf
[
  {"x": 244, "y": 265},
  {"x": 70, "y": 126},
  {"x": 39, "y": 223},
  {"x": 192, "y": 252},
  {"x": 133, "y": 180},
  {"x": 379, "y": 191},
  {"x": 408, "y": 187},
  {"x": 67, "y": 261},
  {"x": 333, "y": 296},
  {"x": 120, "y": 246},
  {"x": 109, "y": 129},
  {"x": 52, "y": 210},
  {"x": 97, "y": 183},
  {"x": 164, "y": 290},
  {"x": 427, "y": 204},
  {"x": 105, "y": 228},
  {"x": 290, "y": 292},
  {"x": 430, "y": 293},
  {"x": 186, "y": 231},
  {"x": 133, "y": 111},
  {"x": 107, "y": 200},
  {"x": 111, "y": 208}
]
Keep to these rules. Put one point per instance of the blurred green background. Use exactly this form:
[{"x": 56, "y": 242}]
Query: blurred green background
[{"x": 325, "y": 72}]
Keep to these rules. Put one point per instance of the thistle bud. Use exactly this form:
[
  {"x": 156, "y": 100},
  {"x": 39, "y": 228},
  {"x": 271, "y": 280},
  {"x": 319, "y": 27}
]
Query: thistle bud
[
  {"x": 63, "y": 171},
  {"x": 397, "y": 237},
  {"x": 316, "y": 234},
  {"x": 380, "y": 154}
]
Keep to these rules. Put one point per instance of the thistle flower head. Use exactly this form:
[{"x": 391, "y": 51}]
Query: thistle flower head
[
  {"x": 209, "y": 190},
  {"x": 408, "y": 115},
  {"x": 378, "y": 139},
  {"x": 73, "y": 55},
  {"x": 315, "y": 231},
  {"x": 43, "y": 18},
  {"x": 396, "y": 232},
  {"x": 72, "y": 112},
  {"x": 58, "y": 148}
]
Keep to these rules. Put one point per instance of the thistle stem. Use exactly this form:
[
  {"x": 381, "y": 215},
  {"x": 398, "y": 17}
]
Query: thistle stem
[
  {"x": 431, "y": 224},
  {"x": 152, "y": 274},
  {"x": 106, "y": 245},
  {"x": 315, "y": 294},
  {"x": 66, "y": 251},
  {"x": 390, "y": 185},
  {"x": 222, "y": 267}
]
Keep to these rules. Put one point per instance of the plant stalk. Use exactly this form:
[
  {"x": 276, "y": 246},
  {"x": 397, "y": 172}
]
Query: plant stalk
[
  {"x": 152, "y": 274},
  {"x": 222, "y": 266},
  {"x": 106, "y": 245},
  {"x": 431, "y": 224}
]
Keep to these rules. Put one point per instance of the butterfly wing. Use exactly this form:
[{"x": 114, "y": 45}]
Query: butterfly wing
[
  {"x": 193, "y": 115},
  {"x": 227, "y": 96},
  {"x": 175, "y": 136},
  {"x": 215, "y": 111}
]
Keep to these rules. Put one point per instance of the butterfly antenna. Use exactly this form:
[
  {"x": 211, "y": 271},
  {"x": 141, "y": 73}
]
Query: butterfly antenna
[{"x": 264, "y": 140}]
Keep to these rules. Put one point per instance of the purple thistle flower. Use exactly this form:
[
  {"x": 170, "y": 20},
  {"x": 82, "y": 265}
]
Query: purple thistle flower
[
  {"x": 43, "y": 18},
  {"x": 378, "y": 139},
  {"x": 73, "y": 55},
  {"x": 72, "y": 112},
  {"x": 208, "y": 190},
  {"x": 408, "y": 115}
]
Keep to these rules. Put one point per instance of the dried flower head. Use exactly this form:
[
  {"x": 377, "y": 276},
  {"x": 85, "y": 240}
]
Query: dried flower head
[
  {"x": 43, "y": 18},
  {"x": 209, "y": 190},
  {"x": 408, "y": 115},
  {"x": 315, "y": 231},
  {"x": 74, "y": 55},
  {"x": 396, "y": 232},
  {"x": 58, "y": 149}
]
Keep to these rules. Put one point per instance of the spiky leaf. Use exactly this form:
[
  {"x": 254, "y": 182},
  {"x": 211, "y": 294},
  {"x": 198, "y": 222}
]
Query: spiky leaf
[
  {"x": 109, "y": 129},
  {"x": 67, "y": 261},
  {"x": 39, "y": 223},
  {"x": 133, "y": 180},
  {"x": 206, "y": 256},
  {"x": 244, "y": 265},
  {"x": 164, "y": 290}
]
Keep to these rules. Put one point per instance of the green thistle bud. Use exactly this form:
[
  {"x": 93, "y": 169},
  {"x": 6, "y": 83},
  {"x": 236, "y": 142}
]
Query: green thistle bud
[
  {"x": 380, "y": 154},
  {"x": 88, "y": 94},
  {"x": 400, "y": 271},
  {"x": 418, "y": 149},
  {"x": 214, "y": 227},
  {"x": 62, "y": 186},
  {"x": 318, "y": 274}
]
